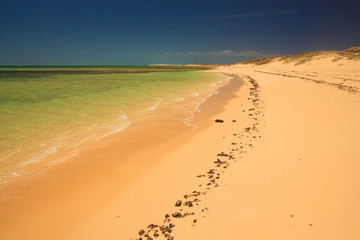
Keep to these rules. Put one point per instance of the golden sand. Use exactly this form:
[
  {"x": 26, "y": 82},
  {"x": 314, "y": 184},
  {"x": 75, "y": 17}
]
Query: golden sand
[{"x": 283, "y": 164}]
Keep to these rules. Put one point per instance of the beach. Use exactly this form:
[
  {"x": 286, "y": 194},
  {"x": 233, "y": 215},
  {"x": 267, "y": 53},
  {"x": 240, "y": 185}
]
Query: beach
[{"x": 275, "y": 156}]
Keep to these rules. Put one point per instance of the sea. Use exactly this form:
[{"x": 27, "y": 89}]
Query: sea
[{"x": 47, "y": 110}]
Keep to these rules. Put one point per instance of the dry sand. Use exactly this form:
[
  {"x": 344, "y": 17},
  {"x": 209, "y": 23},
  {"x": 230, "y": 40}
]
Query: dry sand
[
  {"x": 292, "y": 157},
  {"x": 283, "y": 164}
]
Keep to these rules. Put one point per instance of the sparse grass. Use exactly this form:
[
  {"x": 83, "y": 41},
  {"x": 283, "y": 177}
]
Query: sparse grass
[
  {"x": 284, "y": 58},
  {"x": 353, "y": 50},
  {"x": 303, "y": 61},
  {"x": 337, "y": 59},
  {"x": 352, "y": 53},
  {"x": 259, "y": 61},
  {"x": 355, "y": 57}
]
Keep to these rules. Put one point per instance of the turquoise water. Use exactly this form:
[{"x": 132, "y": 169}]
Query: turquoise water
[{"x": 43, "y": 111}]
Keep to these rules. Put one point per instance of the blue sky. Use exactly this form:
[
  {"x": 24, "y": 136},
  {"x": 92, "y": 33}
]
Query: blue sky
[{"x": 144, "y": 32}]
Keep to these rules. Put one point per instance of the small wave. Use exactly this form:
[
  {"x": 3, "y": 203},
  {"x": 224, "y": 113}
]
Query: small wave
[
  {"x": 37, "y": 157},
  {"x": 179, "y": 99},
  {"x": 205, "y": 96},
  {"x": 194, "y": 126},
  {"x": 156, "y": 105},
  {"x": 120, "y": 128},
  {"x": 71, "y": 153},
  {"x": 124, "y": 116},
  {"x": 187, "y": 120},
  {"x": 197, "y": 107},
  {"x": 119, "y": 124}
]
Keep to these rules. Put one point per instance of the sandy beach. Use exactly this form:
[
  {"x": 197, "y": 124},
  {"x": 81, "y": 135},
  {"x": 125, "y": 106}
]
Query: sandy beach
[{"x": 276, "y": 156}]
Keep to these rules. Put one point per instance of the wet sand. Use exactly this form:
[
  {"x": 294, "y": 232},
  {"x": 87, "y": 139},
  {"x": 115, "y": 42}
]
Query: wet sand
[{"x": 56, "y": 203}]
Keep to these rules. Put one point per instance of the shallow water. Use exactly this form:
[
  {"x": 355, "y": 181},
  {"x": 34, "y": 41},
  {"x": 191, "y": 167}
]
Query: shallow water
[{"x": 42, "y": 113}]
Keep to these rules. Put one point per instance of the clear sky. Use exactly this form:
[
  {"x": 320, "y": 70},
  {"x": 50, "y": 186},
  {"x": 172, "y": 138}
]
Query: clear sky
[{"x": 118, "y": 32}]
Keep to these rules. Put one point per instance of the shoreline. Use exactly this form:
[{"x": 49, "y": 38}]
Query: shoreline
[
  {"x": 280, "y": 163},
  {"x": 57, "y": 148},
  {"x": 63, "y": 188}
]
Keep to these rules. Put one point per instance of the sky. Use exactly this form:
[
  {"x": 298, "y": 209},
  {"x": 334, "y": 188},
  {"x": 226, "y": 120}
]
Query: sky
[{"x": 138, "y": 32}]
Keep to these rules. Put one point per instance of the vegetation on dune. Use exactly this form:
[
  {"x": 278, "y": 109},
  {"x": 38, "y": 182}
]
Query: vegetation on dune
[
  {"x": 301, "y": 58},
  {"x": 351, "y": 53},
  {"x": 259, "y": 61},
  {"x": 352, "y": 50}
]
